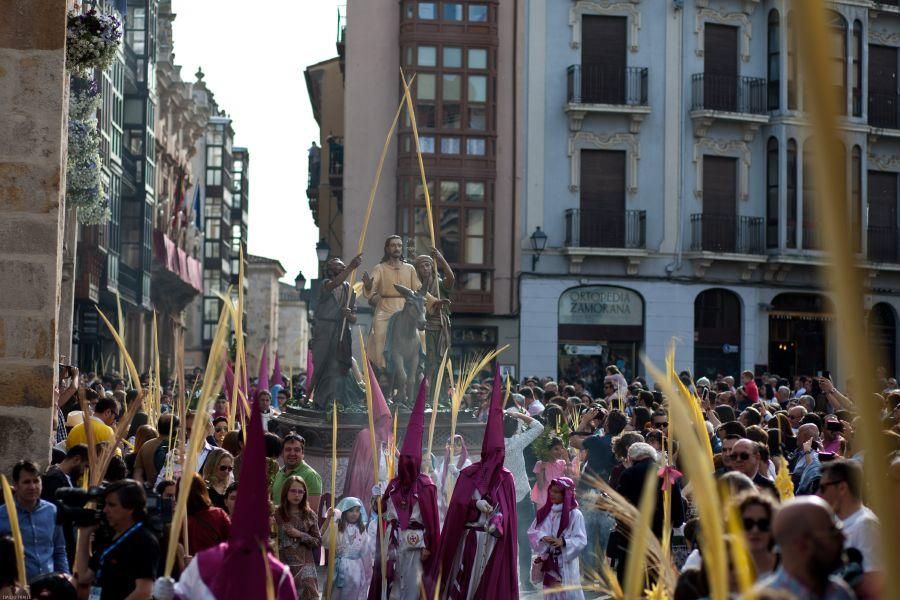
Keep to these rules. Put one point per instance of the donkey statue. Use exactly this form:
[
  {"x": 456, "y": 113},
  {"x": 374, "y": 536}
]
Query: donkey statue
[{"x": 403, "y": 346}]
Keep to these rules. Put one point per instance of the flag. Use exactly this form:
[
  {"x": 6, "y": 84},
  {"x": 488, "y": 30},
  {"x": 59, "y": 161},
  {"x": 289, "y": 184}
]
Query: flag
[{"x": 196, "y": 208}]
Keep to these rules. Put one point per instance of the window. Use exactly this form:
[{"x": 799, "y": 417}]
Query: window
[
  {"x": 772, "y": 193},
  {"x": 448, "y": 225},
  {"x": 452, "y": 57},
  {"x": 452, "y": 117},
  {"x": 774, "y": 68},
  {"x": 793, "y": 100},
  {"x": 426, "y": 143},
  {"x": 425, "y": 86},
  {"x": 477, "y": 119},
  {"x": 478, "y": 13},
  {"x": 214, "y": 156},
  {"x": 808, "y": 199},
  {"x": 837, "y": 45},
  {"x": 213, "y": 177},
  {"x": 791, "y": 194},
  {"x": 449, "y": 145},
  {"x": 475, "y": 147},
  {"x": 453, "y": 11},
  {"x": 856, "y": 197},
  {"x": 427, "y": 56},
  {"x": 211, "y": 309},
  {"x": 477, "y": 58},
  {"x": 475, "y": 191},
  {"x": 213, "y": 229},
  {"x": 215, "y": 135},
  {"x": 474, "y": 236},
  {"x": 425, "y": 116},
  {"x": 427, "y": 11},
  {"x": 856, "y": 69},
  {"x": 450, "y": 191},
  {"x": 452, "y": 87},
  {"x": 477, "y": 88}
]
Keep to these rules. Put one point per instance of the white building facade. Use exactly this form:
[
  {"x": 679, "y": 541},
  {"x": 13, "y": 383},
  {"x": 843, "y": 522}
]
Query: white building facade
[{"x": 667, "y": 159}]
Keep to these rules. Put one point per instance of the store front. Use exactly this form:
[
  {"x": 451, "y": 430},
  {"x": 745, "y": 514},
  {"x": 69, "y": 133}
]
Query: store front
[
  {"x": 599, "y": 325},
  {"x": 882, "y": 329},
  {"x": 798, "y": 334},
  {"x": 717, "y": 334}
]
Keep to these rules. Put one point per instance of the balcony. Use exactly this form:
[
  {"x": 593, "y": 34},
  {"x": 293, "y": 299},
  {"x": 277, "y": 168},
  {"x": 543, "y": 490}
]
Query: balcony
[
  {"x": 883, "y": 244},
  {"x": 605, "y": 233},
  {"x": 176, "y": 278},
  {"x": 605, "y": 90},
  {"x": 728, "y": 98},
  {"x": 727, "y": 234},
  {"x": 884, "y": 111}
]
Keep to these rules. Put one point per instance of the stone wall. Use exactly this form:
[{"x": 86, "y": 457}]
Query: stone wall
[{"x": 33, "y": 102}]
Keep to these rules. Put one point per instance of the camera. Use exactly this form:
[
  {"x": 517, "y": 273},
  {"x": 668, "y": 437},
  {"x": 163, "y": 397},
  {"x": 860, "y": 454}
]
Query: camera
[{"x": 73, "y": 510}]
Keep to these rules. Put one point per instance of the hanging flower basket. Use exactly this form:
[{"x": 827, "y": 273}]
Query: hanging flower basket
[
  {"x": 84, "y": 186},
  {"x": 92, "y": 39}
]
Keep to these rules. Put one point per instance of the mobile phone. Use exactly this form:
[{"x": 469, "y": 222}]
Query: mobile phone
[
  {"x": 826, "y": 374},
  {"x": 834, "y": 426}
]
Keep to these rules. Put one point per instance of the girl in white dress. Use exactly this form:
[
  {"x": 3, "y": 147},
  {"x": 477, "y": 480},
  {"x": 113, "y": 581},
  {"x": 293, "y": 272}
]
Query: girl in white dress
[
  {"x": 456, "y": 458},
  {"x": 557, "y": 536},
  {"x": 353, "y": 557}
]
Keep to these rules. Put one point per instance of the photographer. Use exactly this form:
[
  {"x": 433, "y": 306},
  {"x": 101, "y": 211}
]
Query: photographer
[{"x": 126, "y": 568}]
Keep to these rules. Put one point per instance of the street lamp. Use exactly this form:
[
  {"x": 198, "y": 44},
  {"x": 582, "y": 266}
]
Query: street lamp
[
  {"x": 322, "y": 250},
  {"x": 538, "y": 243},
  {"x": 299, "y": 282}
]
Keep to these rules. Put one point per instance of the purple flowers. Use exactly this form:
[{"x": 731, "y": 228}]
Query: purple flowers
[{"x": 92, "y": 40}]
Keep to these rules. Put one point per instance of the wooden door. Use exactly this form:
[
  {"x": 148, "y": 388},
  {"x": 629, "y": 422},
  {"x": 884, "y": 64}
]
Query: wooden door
[
  {"x": 603, "y": 72},
  {"x": 602, "y": 198},
  {"x": 719, "y": 226},
  {"x": 882, "y": 233},
  {"x": 720, "y": 67},
  {"x": 883, "y": 86}
]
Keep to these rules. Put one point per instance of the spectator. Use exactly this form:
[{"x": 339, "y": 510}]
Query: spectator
[
  {"x": 832, "y": 442},
  {"x": 42, "y": 536},
  {"x": 757, "y": 511},
  {"x": 600, "y": 457},
  {"x": 144, "y": 434},
  {"x": 140, "y": 417},
  {"x": 299, "y": 538},
  {"x": 208, "y": 525},
  {"x": 66, "y": 474},
  {"x": 292, "y": 452},
  {"x": 556, "y": 465},
  {"x": 640, "y": 418},
  {"x": 811, "y": 544},
  {"x": 220, "y": 428},
  {"x": 9, "y": 570},
  {"x": 516, "y": 442},
  {"x": 660, "y": 420},
  {"x": 841, "y": 487},
  {"x": 620, "y": 445},
  {"x": 151, "y": 458},
  {"x": 231, "y": 498},
  {"x": 751, "y": 391},
  {"x": 745, "y": 458},
  {"x": 218, "y": 474},
  {"x": 102, "y": 420},
  {"x": 795, "y": 416},
  {"x": 806, "y": 465},
  {"x": 127, "y": 567}
]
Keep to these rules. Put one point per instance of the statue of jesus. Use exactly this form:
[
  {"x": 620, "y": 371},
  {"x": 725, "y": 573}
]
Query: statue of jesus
[{"x": 383, "y": 296}]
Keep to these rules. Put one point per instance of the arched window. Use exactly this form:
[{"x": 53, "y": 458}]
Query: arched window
[
  {"x": 856, "y": 197},
  {"x": 772, "y": 193},
  {"x": 856, "y": 73},
  {"x": 883, "y": 335},
  {"x": 792, "y": 98},
  {"x": 774, "y": 67},
  {"x": 791, "y": 194},
  {"x": 717, "y": 333},
  {"x": 837, "y": 58},
  {"x": 808, "y": 199}
]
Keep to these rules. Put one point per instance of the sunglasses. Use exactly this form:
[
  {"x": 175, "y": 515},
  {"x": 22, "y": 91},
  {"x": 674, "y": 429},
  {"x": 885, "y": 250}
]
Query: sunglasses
[
  {"x": 761, "y": 524},
  {"x": 225, "y": 468},
  {"x": 740, "y": 456},
  {"x": 824, "y": 485},
  {"x": 224, "y": 429},
  {"x": 661, "y": 424}
]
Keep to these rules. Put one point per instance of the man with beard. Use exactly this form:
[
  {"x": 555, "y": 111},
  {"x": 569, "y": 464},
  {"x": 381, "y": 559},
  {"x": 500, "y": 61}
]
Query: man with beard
[
  {"x": 384, "y": 297},
  {"x": 811, "y": 542},
  {"x": 331, "y": 350}
]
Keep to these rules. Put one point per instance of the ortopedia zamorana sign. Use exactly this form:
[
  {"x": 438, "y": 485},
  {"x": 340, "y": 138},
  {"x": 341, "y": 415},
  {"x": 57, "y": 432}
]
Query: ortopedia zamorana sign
[{"x": 601, "y": 305}]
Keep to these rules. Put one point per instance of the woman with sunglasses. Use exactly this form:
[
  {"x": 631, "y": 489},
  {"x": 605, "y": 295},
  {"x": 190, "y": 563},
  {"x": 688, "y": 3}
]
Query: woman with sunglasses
[
  {"x": 757, "y": 511},
  {"x": 218, "y": 473}
]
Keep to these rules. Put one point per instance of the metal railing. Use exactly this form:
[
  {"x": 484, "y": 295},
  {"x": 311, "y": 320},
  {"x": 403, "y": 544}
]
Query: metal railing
[
  {"x": 600, "y": 84},
  {"x": 597, "y": 228},
  {"x": 728, "y": 93},
  {"x": 883, "y": 244},
  {"x": 883, "y": 110},
  {"x": 727, "y": 233}
]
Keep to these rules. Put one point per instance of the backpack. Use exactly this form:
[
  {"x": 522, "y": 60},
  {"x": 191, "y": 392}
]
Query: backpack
[{"x": 159, "y": 456}]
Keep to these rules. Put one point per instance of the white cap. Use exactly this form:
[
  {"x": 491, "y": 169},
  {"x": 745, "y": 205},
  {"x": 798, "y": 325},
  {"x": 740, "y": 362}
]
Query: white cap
[{"x": 76, "y": 417}]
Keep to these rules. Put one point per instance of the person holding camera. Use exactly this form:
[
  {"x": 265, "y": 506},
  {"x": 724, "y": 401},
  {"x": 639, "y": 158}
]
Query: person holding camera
[{"x": 127, "y": 567}]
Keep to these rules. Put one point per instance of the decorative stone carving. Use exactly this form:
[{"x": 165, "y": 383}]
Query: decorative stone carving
[
  {"x": 586, "y": 140},
  {"x": 883, "y": 38},
  {"x": 715, "y": 16},
  {"x": 884, "y": 162},
  {"x": 614, "y": 9},
  {"x": 735, "y": 148}
]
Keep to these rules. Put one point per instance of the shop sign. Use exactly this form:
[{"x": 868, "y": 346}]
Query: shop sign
[
  {"x": 583, "y": 349},
  {"x": 730, "y": 349},
  {"x": 601, "y": 305}
]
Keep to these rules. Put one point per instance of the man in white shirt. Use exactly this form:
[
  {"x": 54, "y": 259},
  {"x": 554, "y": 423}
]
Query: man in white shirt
[
  {"x": 515, "y": 442},
  {"x": 841, "y": 486}
]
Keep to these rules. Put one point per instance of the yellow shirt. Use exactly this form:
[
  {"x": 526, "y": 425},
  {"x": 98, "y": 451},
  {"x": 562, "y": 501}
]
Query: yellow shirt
[{"x": 102, "y": 433}]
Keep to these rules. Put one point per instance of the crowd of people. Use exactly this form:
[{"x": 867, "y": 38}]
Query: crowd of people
[{"x": 521, "y": 516}]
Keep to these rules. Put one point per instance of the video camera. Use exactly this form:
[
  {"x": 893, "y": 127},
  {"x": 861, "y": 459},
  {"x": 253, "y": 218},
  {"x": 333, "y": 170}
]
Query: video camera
[{"x": 73, "y": 507}]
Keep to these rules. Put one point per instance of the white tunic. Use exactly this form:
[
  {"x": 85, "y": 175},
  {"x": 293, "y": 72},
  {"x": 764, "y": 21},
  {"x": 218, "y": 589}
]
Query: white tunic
[
  {"x": 408, "y": 564},
  {"x": 485, "y": 544},
  {"x": 353, "y": 567},
  {"x": 576, "y": 539}
]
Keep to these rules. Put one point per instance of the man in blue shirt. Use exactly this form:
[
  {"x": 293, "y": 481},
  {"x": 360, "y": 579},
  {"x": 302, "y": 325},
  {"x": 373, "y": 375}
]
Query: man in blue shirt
[{"x": 45, "y": 545}]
